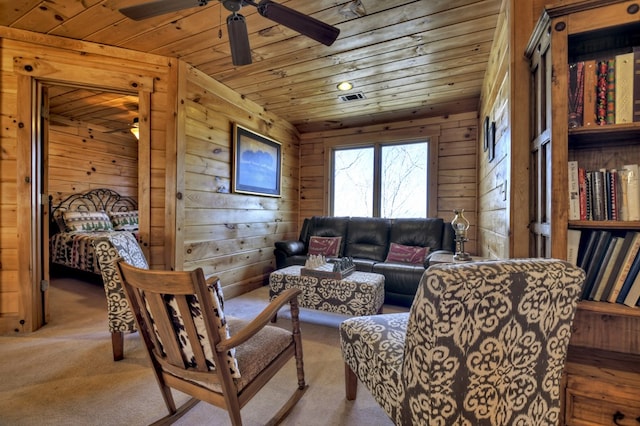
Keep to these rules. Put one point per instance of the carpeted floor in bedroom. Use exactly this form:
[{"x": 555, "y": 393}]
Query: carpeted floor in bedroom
[{"x": 64, "y": 373}]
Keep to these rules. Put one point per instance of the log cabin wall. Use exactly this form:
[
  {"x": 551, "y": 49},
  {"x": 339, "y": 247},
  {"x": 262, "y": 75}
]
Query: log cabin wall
[
  {"x": 453, "y": 175},
  {"x": 81, "y": 159},
  {"x": 228, "y": 234},
  {"x": 503, "y": 183},
  {"x": 26, "y": 57}
]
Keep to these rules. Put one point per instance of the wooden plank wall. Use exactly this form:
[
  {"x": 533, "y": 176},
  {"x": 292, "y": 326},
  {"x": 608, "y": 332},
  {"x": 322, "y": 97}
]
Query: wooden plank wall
[
  {"x": 503, "y": 183},
  {"x": 228, "y": 234},
  {"x": 81, "y": 159},
  {"x": 64, "y": 60},
  {"x": 495, "y": 175},
  {"x": 454, "y": 142}
]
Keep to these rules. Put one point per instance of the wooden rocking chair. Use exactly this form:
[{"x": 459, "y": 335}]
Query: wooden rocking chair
[{"x": 181, "y": 319}]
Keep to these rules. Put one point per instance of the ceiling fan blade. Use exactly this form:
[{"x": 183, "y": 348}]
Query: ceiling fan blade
[
  {"x": 305, "y": 25},
  {"x": 238, "y": 39},
  {"x": 159, "y": 7}
]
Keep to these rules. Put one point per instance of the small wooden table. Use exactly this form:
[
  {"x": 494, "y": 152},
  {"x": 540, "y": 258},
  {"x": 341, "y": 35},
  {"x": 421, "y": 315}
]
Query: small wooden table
[{"x": 360, "y": 293}]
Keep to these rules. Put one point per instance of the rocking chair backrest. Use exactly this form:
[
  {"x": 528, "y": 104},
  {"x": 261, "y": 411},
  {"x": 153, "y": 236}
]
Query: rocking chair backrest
[{"x": 180, "y": 331}]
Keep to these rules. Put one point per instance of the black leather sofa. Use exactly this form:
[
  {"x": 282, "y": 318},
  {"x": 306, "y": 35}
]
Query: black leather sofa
[{"x": 367, "y": 241}]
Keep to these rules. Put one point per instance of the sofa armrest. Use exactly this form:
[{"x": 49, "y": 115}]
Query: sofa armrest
[{"x": 290, "y": 248}]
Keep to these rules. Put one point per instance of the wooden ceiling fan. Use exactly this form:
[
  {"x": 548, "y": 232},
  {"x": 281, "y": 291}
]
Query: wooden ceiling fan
[{"x": 236, "y": 25}]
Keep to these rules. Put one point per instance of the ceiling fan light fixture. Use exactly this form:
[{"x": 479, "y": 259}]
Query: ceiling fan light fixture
[
  {"x": 135, "y": 128},
  {"x": 354, "y": 9},
  {"x": 238, "y": 40},
  {"x": 345, "y": 85}
]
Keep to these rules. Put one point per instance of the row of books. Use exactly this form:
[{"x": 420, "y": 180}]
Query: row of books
[
  {"x": 604, "y": 194},
  {"x": 611, "y": 262},
  {"x": 605, "y": 91}
]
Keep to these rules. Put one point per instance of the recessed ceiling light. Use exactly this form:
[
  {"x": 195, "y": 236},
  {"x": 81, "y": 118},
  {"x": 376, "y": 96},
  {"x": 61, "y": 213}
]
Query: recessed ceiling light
[{"x": 345, "y": 85}]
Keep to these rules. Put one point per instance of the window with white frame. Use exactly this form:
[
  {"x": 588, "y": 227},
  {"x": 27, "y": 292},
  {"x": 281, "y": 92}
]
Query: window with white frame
[{"x": 380, "y": 180}]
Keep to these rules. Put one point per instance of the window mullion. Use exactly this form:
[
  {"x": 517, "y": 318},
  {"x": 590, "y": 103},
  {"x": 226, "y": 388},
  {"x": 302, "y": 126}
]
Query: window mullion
[{"x": 377, "y": 180}]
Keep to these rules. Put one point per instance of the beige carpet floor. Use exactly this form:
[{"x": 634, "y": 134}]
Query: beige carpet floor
[{"x": 64, "y": 373}]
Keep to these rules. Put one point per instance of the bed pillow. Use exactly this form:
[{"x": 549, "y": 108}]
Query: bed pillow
[
  {"x": 407, "y": 254},
  {"x": 325, "y": 246},
  {"x": 124, "y": 221},
  {"x": 87, "y": 221}
]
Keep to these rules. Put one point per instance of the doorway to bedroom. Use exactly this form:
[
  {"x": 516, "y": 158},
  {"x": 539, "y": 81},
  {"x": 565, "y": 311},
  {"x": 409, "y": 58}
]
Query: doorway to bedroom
[{"x": 89, "y": 141}]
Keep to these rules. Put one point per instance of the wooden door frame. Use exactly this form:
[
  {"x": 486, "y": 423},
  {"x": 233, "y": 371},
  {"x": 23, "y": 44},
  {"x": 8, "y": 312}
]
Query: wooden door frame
[{"x": 32, "y": 299}]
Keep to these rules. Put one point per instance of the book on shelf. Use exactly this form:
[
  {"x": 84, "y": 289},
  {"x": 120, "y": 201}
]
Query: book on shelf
[
  {"x": 611, "y": 91},
  {"x": 628, "y": 258},
  {"x": 624, "y": 88},
  {"x": 584, "y": 195},
  {"x": 576, "y": 95},
  {"x": 598, "y": 197},
  {"x": 612, "y": 194},
  {"x": 589, "y": 103},
  {"x": 574, "y": 191},
  {"x": 633, "y": 296},
  {"x": 629, "y": 238},
  {"x": 603, "y": 238},
  {"x": 628, "y": 281},
  {"x": 573, "y": 245},
  {"x": 601, "y": 93},
  {"x": 630, "y": 185},
  {"x": 636, "y": 84},
  {"x": 604, "y": 91},
  {"x": 605, "y": 271},
  {"x": 604, "y": 194},
  {"x": 587, "y": 247}
]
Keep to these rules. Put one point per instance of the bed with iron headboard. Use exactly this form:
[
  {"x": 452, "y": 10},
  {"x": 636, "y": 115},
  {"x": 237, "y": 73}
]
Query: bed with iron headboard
[{"x": 77, "y": 220}]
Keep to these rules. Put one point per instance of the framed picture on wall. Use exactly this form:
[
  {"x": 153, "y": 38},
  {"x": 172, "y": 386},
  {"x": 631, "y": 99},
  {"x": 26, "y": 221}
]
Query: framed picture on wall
[
  {"x": 486, "y": 134},
  {"x": 492, "y": 141},
  {"x": 257, "y": 163}
]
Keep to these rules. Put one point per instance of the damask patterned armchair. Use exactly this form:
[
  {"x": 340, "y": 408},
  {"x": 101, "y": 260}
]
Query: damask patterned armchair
[
  {"x": 120, "y": 318},
  {"x": 483, "y": 344}
]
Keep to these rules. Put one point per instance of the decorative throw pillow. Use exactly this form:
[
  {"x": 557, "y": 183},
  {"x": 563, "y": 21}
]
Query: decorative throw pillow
[
  {"x": 325, "y": 246},
  {"x": 124, "y": 221},
  {"x": 87, "y": 221},
  {"x": 407, "y": 254}
]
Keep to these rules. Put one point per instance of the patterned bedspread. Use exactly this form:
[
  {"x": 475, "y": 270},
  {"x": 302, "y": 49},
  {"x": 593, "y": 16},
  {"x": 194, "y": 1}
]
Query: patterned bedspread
[{"x": 75, "y": 249}]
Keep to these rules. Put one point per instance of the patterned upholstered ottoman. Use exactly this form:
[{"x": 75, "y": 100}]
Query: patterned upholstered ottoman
[{"x": 361, "y": 293}]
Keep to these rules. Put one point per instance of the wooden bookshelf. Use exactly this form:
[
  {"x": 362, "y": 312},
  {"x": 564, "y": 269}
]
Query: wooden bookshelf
[{"x": 602, "y": 380}]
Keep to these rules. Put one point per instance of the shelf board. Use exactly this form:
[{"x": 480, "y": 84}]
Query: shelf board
[
  {"x": 611, "y": 134},
  {"x": 607, "y": 308},
  {"x": 605, "y": 224}
]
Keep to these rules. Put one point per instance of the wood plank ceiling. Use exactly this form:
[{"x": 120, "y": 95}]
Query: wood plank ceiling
[{"x": 407, "y": 58}]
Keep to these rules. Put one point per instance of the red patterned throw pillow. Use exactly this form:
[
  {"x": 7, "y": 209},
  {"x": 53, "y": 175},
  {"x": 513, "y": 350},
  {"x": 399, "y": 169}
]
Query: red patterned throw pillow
[
  {"x": 407, "y": 254},
  {"x": 325, "y": 246}
]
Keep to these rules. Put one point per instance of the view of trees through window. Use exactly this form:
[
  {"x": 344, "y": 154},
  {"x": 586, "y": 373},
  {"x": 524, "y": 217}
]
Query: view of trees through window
[{"x": 380, "y": 180}]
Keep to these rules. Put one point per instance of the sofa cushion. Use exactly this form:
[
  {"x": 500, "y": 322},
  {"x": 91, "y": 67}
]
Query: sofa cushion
[
  {"x": 417, "y": 232},
  {"x": 404, "y": 277},
  {"x": 324, "y": 246},
  {"x": 407, "y": 254},
  {"x": 367, "y": 238}
]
